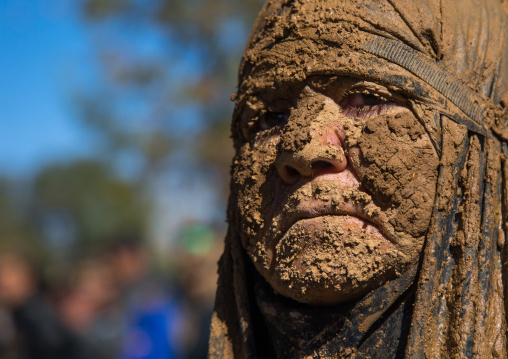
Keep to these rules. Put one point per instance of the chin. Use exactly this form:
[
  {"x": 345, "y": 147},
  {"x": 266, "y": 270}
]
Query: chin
[
  {"x": 327, "y": 288},
  {"x": 330, "y": 260},
  {"x": 316, "y": 295}
]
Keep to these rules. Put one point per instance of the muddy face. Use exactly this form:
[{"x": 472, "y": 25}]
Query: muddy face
[
  {"x": 335, "y": 186},
  {"x": 335, "y": 177}
]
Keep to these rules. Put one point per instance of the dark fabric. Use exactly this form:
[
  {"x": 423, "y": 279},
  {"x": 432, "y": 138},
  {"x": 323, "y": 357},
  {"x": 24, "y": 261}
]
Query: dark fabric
[{"x": 298, "y": 330}]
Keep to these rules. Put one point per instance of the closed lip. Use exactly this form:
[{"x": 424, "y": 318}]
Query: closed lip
[{"x": 319, "y": 208}]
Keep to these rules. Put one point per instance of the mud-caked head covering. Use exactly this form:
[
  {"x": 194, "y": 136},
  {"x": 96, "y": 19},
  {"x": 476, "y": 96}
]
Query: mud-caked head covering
[{"x": 449, "y": 60}]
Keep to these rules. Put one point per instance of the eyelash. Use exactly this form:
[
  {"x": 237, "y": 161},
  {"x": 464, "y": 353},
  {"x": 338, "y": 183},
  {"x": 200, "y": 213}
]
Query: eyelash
[
  {"x": 363, "y": 105},
  {"x": 266, "y": 134}
]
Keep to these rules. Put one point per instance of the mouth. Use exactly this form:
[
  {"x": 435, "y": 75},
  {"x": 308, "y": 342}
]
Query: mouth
[{"x": 315, "y": 208}]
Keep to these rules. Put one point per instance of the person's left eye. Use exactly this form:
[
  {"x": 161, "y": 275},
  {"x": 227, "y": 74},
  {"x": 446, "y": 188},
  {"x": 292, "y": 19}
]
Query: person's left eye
[{"x": 364, "y": 105}]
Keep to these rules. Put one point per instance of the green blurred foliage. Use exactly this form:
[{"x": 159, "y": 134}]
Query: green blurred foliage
[
  {"x": 85, "y": 201},
  {"x": 69, "y": 211},
  {"x": 15, "y": 228}
]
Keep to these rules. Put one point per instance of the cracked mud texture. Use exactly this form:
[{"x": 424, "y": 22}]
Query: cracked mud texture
[
  {"x": 350, "y": 169},
  {"x": 377, "y": 207}
]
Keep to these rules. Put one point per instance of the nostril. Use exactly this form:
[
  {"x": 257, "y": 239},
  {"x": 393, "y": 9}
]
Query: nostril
[
  {"x": 289, "y": 174},
  {"x": 292, "y": 171},
  {"x": 321, "y": 165}
]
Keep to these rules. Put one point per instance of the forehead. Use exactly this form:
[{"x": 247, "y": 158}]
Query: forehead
[{"x": 291, "y": 62}]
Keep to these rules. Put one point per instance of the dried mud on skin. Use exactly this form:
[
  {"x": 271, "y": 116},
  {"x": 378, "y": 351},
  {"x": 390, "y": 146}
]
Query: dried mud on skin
[
  {"x": 419, "y": 188},
  {"x": 390, "y": 154}
]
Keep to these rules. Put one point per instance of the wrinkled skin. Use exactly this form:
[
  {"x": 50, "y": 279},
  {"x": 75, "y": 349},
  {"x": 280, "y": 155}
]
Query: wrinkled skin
[{"x": 335, "y": 182}]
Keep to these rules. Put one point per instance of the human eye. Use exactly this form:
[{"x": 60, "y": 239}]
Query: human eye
[
  {"x": 270, "y": 124},
  {"x": 273, "y": 119},
  {"x": 261, "y": 119},
  {"x": 364, "y": 104}
]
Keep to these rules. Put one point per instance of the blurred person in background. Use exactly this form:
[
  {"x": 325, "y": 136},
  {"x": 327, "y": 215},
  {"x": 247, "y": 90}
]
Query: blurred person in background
[
  {"x": 16, "y": 286},
  {"x": 146, "y": 319},
  {"x": 81, "y": 302},
  {"x": 110, "y": 307},
  {"x": 17, "y": 280},
  {"x": 89, "y": 292},
  {"x": 39, "y": 333}
]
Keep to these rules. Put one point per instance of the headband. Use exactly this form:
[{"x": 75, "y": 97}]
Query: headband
[{"x": 473, "y": 108}]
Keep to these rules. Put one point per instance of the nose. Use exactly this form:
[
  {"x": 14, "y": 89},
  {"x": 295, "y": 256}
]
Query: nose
[{"x": 323, "y": 154}]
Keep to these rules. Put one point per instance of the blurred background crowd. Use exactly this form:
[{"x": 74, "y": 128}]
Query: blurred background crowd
[{"x": 114, "y": 162}]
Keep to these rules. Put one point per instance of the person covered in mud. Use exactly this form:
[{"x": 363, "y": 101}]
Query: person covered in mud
[{"x": 369, "y": 191}]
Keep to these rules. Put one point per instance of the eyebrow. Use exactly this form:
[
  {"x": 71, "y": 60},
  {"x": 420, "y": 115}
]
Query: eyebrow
[{"x": 472, "y": 104}]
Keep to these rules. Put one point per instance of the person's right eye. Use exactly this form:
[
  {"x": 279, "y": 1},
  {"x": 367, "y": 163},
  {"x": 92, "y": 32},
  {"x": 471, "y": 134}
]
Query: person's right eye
[{"x": 273, "y": 120}]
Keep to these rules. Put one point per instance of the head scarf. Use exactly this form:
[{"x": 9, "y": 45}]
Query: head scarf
[{"x": 452, "y": 56}]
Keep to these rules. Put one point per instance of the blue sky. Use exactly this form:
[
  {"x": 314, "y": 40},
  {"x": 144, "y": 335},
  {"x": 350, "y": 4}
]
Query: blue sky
[{"x": 45, "y": 54}]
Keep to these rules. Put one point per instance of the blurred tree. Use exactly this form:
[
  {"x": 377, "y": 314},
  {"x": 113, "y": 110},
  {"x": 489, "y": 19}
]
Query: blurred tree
[
  {"x": 83, "y": 206},
  {"x": 16, "y": 230},
  {"x": 11, "y": 221},
  {"x": 69, "y": 210},
  {"x": 161, "y": 100},
  {"x": 169, "y": 68}
]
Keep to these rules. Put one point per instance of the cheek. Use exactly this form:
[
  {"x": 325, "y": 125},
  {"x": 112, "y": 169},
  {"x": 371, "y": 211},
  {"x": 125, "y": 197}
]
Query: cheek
[
  {"x": 398, "y": 166},
  {"x": 252, "y": 184}
]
